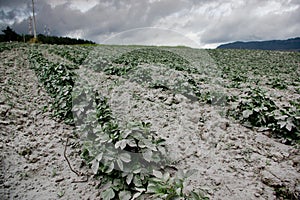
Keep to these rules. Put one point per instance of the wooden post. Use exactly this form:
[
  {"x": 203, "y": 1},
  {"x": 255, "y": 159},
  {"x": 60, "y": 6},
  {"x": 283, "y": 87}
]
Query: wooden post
[{"x": 34, "y": 22}]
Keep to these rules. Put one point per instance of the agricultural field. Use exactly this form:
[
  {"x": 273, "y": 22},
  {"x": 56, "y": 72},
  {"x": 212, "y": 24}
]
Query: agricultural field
[{"x": 146, "y": 122}]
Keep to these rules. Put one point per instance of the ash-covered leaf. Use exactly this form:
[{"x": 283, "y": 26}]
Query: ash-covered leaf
[{"x": 108, "y": 194}]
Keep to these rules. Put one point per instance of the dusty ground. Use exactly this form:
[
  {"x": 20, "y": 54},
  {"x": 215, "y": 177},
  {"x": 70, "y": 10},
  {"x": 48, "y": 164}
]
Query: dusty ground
[
  {"x": 32, "y": 144},
  {"x": 232, "y": 162}
]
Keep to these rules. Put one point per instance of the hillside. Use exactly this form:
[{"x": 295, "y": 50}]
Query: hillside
[
  {"x": 11, "y": 36},
  {"x": 119, "y": 122},
  {"x": 292, "y": 44}
]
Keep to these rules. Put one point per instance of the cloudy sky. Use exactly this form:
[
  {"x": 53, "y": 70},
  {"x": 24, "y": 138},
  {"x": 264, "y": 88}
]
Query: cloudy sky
[{"x": 202, "y": 23}]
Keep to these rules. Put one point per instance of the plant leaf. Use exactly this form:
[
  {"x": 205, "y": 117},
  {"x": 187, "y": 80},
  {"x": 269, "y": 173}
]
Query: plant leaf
[
  {"x": 95, "y": 166},
  {"x": 195, "y": 196},
  {"x": 129, "y": 178},
  {"x": 141, "y": 144},
  {"x": 118, "y": 144},
  {"x": 256, "y": 109},
  {"x": 178, "y": 191},
  {"x": 99, "y": 156},
  {"x": 150, "y": 145},
  {"x": 138, "y": 170},
  {"x": 282, "y": 124},
  {"x": 120, "y": 164},
  {"x": 162, "y": 150},
  {"x": 131, "y": 143},
  {"x": 157, "y": 174},
  {"x": 137, "y": 181},
  {"x": 262, "y": 129},
  {"x": 147, "y": 155},
  {"x": 140, "y": 189},
  {"x": 289, "y": 126},
  {"x": 152, "y": 188},
  {"x": 125, "y": 195},
  {"x": 281, "y": 117},
  {"x": 247, "y": 113},
  {"x": 121, "y": 144},
  {"x": 136, "y": 195},
  {"x": 125, "y": 157},
  {"x": 166, "y": 176},
  {"x": 110, "y": 168},
  {"x": 108, "y": 194}
]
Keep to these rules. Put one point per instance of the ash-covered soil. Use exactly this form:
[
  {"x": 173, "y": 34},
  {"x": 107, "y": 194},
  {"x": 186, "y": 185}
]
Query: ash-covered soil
[{"x": 231, "y": 161}]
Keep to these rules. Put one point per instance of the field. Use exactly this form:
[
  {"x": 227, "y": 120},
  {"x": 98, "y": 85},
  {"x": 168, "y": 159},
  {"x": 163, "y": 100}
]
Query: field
[{"x": 145, "y": 122}]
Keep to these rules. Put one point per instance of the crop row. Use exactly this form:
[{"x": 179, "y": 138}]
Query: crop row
[
  {"x": 276, "y": 69},
  {"x": 254, "y": 109},
  {"x": 129, "y": 160},
  {"x": 237, "y": 70},
  {"x": 76, "y": 54},
  {"x": 8, "y": 46},
  {"x": 58, "y": 80},
  {"x": 257, "y": 110}
]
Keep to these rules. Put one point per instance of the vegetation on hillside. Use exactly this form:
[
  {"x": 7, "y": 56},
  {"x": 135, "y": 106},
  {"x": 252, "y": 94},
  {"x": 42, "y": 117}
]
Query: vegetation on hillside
[
  {"x": 261, "y": 92},
  {"x": 10, "y": 35}
]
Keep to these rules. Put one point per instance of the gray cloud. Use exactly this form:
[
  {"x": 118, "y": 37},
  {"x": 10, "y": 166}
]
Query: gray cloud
[
  {"x": 208, "y": 22},
  {"x": 249, "y": 22},
  {"x": 13, "y": 10},
  {"x": 14, "y": 3},
  {"x": 151, "y": 36}
]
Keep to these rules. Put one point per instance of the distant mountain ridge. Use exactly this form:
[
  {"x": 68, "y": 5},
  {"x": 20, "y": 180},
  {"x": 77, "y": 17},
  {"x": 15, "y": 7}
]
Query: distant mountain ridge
[{"x": 292, "y": 44}]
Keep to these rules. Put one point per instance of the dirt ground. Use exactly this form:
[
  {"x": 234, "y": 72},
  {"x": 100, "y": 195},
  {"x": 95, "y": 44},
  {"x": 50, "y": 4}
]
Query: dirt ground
[{"x": 232, "y": 162}]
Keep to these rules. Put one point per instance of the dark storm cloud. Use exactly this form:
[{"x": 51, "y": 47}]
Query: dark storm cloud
[
  {"x": 14, "y": 3},
  {"x": 13, "y": 10},
  {"x": 206, "y": 21},
  {"x": 60, "y": 19},
  {"x": 8, "y": 15}
]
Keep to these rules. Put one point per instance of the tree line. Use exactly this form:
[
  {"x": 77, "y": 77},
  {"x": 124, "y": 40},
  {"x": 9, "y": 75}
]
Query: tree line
[{"x": 10, "y": 35}]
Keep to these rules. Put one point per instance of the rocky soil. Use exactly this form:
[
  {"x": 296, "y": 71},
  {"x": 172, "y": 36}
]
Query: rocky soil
[{"x": 231, "y": 161}]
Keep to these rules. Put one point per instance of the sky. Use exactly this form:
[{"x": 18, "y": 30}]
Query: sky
[{"x": 195, "y": 23}]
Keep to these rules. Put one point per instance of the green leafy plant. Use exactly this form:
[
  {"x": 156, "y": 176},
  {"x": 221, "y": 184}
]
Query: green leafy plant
[
  {"x": 61, "y": 193},
  {"x": 53, "y": 172},
  {"x": 257, "y": 110},
  {"x": 5, "y": 46},
  {"x": 77, "y": 54},
  {"x": 126, "y": 158},
  {"x": 58, "y": 80},
  {"x": 277, "y": 83},
  {"x": 110, "y": 152},
  {"x": 214, "y": 98},
  {"x": 282, "y": 192},
  {"x": 165, "y": 186},
  {"x": 130, "y": 60}
]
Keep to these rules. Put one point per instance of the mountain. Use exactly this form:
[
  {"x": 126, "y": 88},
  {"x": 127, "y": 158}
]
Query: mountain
[{"x": 292, "y": 44}]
